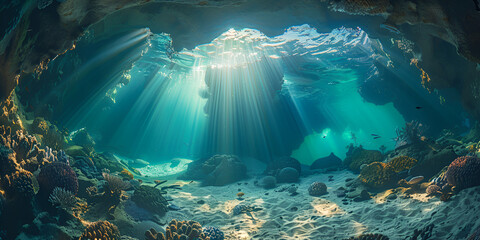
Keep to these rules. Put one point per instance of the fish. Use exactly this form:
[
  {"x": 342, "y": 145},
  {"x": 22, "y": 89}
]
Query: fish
[
  {"x": 376, "y": 137},
  {"x": 390, "y": 27},
  {"x": 418, "y": 107}
]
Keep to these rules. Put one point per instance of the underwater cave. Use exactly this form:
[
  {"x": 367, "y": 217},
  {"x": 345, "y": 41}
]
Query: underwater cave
[{"x": 239, "y": 119}]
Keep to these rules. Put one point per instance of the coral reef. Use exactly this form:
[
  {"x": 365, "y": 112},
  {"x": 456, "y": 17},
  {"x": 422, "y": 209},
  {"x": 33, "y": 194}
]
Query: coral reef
[
  {"x": 358, "y": 156},
  {"x": 464, "y": 172},
  {"x": 317, "y": 189},
  {"x": 377, "y": 175},
  {"x": 57, "y": 174},
  {"x": 402, "y": 163},
  {"x": 221, "y": 170},
  {"x": 101, "y": 230},
  {"x": 151, "y": 199},
  {"x": 9, "y": 114},
  {"x": 107, "y": 161},
  {"x": 213, "y": 233},
  {"x": 182, "y": 230},
  {"x": 288, "y": 175},
  {"x": 115, "y": 185},
  {"x": 329, "y": 162}
]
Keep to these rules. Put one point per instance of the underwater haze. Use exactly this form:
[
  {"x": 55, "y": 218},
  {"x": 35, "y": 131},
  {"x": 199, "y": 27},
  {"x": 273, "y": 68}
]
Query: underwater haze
[{"x": 239, "y": 120}]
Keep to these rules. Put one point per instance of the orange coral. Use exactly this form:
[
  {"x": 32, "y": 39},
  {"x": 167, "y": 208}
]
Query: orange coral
[{"x": 125, "y": 174}]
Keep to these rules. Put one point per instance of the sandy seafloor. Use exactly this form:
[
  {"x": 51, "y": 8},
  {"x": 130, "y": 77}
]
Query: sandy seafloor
[{"x": 326, "y": 217}]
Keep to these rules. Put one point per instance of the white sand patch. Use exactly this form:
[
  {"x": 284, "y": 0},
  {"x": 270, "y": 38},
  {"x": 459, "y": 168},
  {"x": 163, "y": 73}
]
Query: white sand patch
[
  {"x": 282, "y": 216},
  {"x": 176, "y": 166}
]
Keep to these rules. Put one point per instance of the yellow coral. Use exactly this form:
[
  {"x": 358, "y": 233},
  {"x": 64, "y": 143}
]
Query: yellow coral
[
  {"x": 125, "y": 174},
  {"x": 402, "y": 163},
  {"x": 377, "y": 174}
]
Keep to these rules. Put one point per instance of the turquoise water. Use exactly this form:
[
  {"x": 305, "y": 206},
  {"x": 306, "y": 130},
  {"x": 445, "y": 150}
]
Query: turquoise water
[{"x": 244, "y": 93}]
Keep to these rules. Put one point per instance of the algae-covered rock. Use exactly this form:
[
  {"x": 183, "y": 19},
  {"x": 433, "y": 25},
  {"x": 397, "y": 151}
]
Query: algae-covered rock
[
  {"x": 151, "y": 199},
  {"x": 359, "y": 156},
  {"x": 223, "y": 169},
  {"x": 107, "y": 161}
]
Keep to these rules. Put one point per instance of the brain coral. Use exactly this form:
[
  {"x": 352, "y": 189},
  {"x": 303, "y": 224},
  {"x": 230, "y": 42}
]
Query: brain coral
[
  {"x": 178, "y": 230},
  {"x": 360, "y": 156},
  {"x": 100, "y": 230},
  {"x": 151, "y": 199},
  {"x": 213, "y": 233},
  {"x": 402, "y": 163},
  {"x": 377, "y": 175},
  {"x": 464, "y": 172},
  {"x": 57, "y": 174},
  {"x": 317, "y": 189}
]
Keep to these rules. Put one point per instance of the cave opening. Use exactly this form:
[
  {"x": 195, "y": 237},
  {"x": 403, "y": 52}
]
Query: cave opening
[{"x": 302, "y": 93}]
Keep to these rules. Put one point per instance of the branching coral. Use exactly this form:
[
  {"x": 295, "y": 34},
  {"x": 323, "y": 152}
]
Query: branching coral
[
  {"x": 464, "y": 172},
  {"x": 62, "y": 198},
  {"x": 412, "y": 133},
  {"x": 181, "y": 230},
  {"x": 101, "y": 230}
]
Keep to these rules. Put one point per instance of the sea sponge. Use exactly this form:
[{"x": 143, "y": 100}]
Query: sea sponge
[
  {"x": 464, "y": 172},
  {"x": 213, "y": 233},
  {"x": 57, "y": 174},
  {"x": 402, "y": 163},
  {"x": 317, "y": 189},
  {"x": 178, "y": 230},
  {"x": 360, "y": 156},
  {"x": 100, "y": 230},
  {"x": 377, "y": 175},
  {"x": 151, "y": 199}
]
